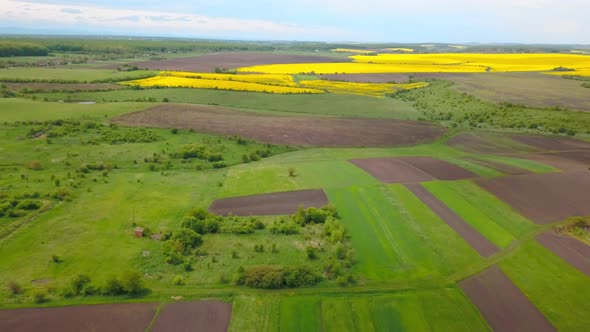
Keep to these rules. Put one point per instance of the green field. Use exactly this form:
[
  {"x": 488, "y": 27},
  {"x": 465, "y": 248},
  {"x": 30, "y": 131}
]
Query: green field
[
  {"x": 324, "y": 104},
  {"x": 69, "y": 74}
]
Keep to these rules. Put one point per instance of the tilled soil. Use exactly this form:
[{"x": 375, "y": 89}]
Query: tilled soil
[
  {"x": 552, "y": 143},
  {"x": 270, "y": 204},
  {"x": 411, "y": 169},
  {"x": 487, "y": 143},
  {"x": 544, "y": 198},
  {"x": 502, "y": 304},
  {"x": 482, "y": 245},
  {"x": 102, "y": 317},
  {"x": 208, "y": 62},
  {"x": 289, "y": 130},
  {"x": 503, "y": 168},
  {"x": 565, "y": 161},
  {"x": 575, "y": 252},
  {"x": 194, "y": 316}
]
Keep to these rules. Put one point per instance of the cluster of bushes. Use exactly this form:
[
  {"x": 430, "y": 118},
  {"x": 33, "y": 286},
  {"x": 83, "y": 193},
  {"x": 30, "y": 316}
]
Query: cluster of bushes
[
  {"x": 256, "y": 155},
  {"x": 19, "y": 205},
  {"x": 275, "y": 276},
  {"x": 440, "y": 102},
  {"x": 197, "y": 151},
  {"x": 314, "y": 215}
]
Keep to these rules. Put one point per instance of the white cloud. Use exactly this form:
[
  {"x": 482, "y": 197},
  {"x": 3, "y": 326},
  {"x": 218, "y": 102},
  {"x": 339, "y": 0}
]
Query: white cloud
[{"x": 48, "y": 15}]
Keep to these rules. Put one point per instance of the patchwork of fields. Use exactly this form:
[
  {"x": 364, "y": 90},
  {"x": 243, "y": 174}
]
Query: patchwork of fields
[{"x": 377, "y": 199}]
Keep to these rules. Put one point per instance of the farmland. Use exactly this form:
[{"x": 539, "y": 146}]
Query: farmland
[{"x": 295, "y": 187}]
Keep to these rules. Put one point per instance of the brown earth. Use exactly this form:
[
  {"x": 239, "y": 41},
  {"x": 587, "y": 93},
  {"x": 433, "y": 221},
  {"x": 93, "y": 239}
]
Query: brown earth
[
  {"x": 290, "y": 130},
  {"x": 103, "y": 317},
  {"x": 482, "y": 245},
  {"x": 392, "y": 170},
  {"x": 532, "y": 89},
  {"x": 552, "y": 143},
  {"x": 194, "y": 316},
  {"x": 49, "y": 87},
  {"x": 439, "y": 169},
  {"x": 544, "y": 198},
  {"x": 411, "y": 169},
  {"x": 367, "y": 78},
  {"x": 490, "y": 143},
  {"x": 503, "y": 168},
  {"x": 208, "y": 62},
  {"x": 575, "y": 252},
  {"x": 566, "y": 161},
  {"x": 269, "y": 204},
  {"x": 502, "y": 304}
]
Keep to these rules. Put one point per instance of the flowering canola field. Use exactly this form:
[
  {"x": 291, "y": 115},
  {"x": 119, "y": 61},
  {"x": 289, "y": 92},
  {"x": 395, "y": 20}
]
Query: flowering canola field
[
  {"x": 432, "y": 63},
  {"x": 401, "y": 49},
  {"x": 370, "y": 89},
  {"x": 270, "y": 79},
  {"x": 351, "y": 50},
  {"x": 199, "y": 83}
]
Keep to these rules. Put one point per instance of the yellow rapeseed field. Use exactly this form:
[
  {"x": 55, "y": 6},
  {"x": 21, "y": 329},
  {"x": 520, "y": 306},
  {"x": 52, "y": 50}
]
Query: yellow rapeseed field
[
  {"x": 432, "y": 63},
  {"x": 270, "y": 79},
  {"x": 172, "y": 81},
  {"x": 370, "y": 89}
]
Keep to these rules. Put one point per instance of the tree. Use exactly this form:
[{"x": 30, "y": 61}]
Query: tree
[
  {"x": 132, "y": 282},
  {"x": 188, "y": 238}
]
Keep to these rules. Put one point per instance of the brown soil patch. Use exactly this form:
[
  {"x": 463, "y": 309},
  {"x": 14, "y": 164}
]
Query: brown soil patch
[
  {"x": 487, "y": 143},
  {"x": 207, "y": 63},
  {"x": 544, "y": 198},
  {"x": 367, "y": 78},
  {"x": 194, "y": 316},
  {"x": 392, "y": 170},
  {"x": 565, "y": 161},
  {"x": 103, "y": 317},
  {"x": 575, "y": 252},
  {"x": 270, "y": 204},
  {"x": 482, "y": 245},
  {"x": 503, "y": 168},
  {"x": 303, "y": 131},
  {"x": 502, "y": 304},
  {"x": 552, "y": 143},
  {"x": 411, "y": 169},
  {"x": 58, "y": 87}
]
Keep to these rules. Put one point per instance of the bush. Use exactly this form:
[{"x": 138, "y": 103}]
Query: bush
[
  {"x": 132, "y": 282},
  {"x": 281, "y": 226},
  {"x": 178, "y": 281},
  {"x": 14, "y": 288},
  {"x": 311, "y": 252},
  {"x": 40, "y": 296},
  {"x": 201, "y": 226},
  {"x": 291, "y": 171},
  {"x": 81, "y": 285},
  {"x": 313, "y": 215},
  {"x": 28, "y": 204},
  {"x": 274, "y": 277},
  {"x": 34, "y": 165},
  {"x": 113, "y": 286}
]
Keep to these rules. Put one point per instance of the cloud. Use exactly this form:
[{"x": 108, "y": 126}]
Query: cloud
[{"x": 157, "y": 22}]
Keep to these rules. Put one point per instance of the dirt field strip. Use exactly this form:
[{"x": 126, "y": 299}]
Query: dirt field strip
[
  {"x": 543, "y": 198},
  {"x": 208, "y": 62},
  {"x": 575, "y": 252},
  {"x": 101, "y": 317},
  {"x": 270, "y": 204},
  {"x": 482, "y": 245},
  {"x": 411, "y": 169},
  {"x": 552, "y": 143},
  {"x": 392, "y": 170},
  {"x": 502, "y": 304},
  {"x": 565, "y": 161},
  {"x": 296, "y": 130},
  {"x": 194, "y": 316},
  {"x": 503, "y": 168},
  {"x": 487, "y": 143}
]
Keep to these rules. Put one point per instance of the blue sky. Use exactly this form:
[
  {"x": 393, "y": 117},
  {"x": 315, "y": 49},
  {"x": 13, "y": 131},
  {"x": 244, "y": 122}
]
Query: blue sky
[{"x": 451, "y": 21}]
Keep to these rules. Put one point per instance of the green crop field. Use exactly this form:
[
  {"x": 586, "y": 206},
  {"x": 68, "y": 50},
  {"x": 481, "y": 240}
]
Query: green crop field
[{"x": 25, "y": 74}]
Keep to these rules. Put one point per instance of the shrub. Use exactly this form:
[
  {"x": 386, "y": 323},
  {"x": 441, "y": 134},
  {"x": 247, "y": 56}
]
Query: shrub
[
  {"x": 34, "y": 165},
  {"x": 313, "y": 215},
  {"x": 113, "y": 286},
  {"x": 40, "y": 296},
  {"x": 274, "y": 276},
  {"x": 201, "y": 226},
  {"x": 281, "y": 226},
  {"x": 132, "y": 282},
  {"x": 81, "y": 285},
  {"x": 178, "y": 281},
  {"x": 311, "y": 252},
  {"x": 28, "y": 204},
  {"x": 188, "y": 239},
  {"x": 55, "y": 259},
  {"x": 14, "y": 288},
  {"x": 292, "y": 172}
]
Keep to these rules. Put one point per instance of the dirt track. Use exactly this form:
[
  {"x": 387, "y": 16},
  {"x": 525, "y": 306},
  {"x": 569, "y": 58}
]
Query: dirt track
[
  {"x": 302, "y": 131},
  {"x": 575, "y": 252},
  {"x": 208, "y": 62},
  {"x": 411, "y": 169},
  {"x": 482, "y": 245},
  {"x": 270, "y": 204},
  {"x": 194, "y": 316},
  {"x": 544, "y": 198},
  {"x": 102, "y": 317},
  {"x": 502, "y": 304}
]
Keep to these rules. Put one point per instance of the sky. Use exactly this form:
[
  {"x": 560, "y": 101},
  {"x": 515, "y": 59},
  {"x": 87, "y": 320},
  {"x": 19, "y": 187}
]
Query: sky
[{"x": 408, "y": 21}]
